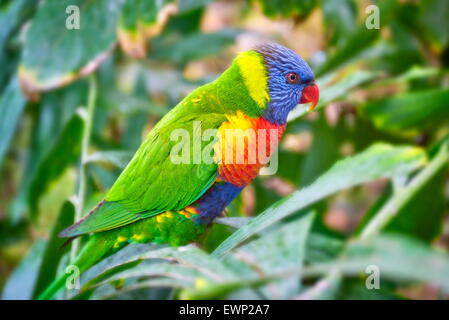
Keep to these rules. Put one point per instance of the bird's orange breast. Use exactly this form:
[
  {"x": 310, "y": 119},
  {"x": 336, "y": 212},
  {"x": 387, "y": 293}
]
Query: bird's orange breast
[{"x": 244, "y": 146}]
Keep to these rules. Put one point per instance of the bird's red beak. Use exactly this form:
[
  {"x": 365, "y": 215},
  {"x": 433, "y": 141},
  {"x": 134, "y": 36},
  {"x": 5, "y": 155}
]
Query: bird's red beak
[{"x": 310, "y": 94}]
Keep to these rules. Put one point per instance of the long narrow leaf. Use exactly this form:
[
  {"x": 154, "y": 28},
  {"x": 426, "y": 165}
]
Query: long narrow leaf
[
  {"x": 378, "y": 161},
  {"x": 12, "y": 104}
]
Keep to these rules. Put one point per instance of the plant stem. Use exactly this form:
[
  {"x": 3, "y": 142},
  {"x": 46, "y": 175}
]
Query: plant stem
[
  {"x": 397, "y": 201},
  {"x": 87, "y": 130}
]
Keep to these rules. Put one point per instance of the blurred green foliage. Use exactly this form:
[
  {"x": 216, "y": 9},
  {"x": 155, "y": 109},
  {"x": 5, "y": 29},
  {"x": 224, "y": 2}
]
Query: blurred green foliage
[{"x": 363, "y": 181}]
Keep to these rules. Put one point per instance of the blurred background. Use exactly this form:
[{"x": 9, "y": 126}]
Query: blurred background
[{"x": 94, "y": 92}]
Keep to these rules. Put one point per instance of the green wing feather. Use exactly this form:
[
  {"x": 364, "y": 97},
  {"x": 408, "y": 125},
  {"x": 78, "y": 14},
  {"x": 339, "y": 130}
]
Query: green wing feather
[{"x": 152, "y": 183}]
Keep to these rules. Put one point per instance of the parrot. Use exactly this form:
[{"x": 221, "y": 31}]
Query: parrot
[{"x": 159, "y": 200}]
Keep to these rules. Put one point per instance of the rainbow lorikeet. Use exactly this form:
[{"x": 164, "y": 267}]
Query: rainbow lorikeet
[{"x": 157, "y": 199}]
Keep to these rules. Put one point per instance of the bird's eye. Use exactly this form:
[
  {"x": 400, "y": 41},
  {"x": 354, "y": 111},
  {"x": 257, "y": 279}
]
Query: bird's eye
[{"x": 292, "y": 78}]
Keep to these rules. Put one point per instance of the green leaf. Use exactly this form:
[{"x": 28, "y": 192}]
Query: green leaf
[
  {"x": 21, "y": 282},
  {"x": 279, "y": 249},
  {"x": 108, "y": 267},
  {"x": 185, "y": 22},
  {"x": 162, "y": 269},
  {"x": 334, "y": 286},
  {"x": 186, "y": 49},
  {"x": 194, "y": 258},
  {"x": 9, "y": 16},
  {"x": 378, "y": 161},
  {"x": 324, "y": 289},
  {"x": 322, "y": 247},
  {"x": 422, "y": 216},
  {"x": 188, "y": 256},
  {"x": 413, "y": 73},
  {"x": 407, "y": 112},
  {"x": 145, "y": 284},
  {"x": 319, "y": 247},
  {"x": 49, "y": 118},
  {"x": 12, "y": 104},
  {"x": 398, "y": 258},
  {"x": 189, "y": 5},
  {"x": 139, "y": 11},
  {"x": 287, "y": 8},
  {"x": 90, "y": 286},
  {"x": 12, "y": 15},
  {"x": 405, "y": 192},
  {"x": 54, "y": 55},
  {"x": 435, "y": 21},
  {"x": 141, "y": 20},
  {"x": 235, "y": 222},
  {"x": 360, "y": 39},
  {"x": 54, "y": 249},
  {"x": 68, "y": 149},
  {"x": 118, "y": 158},
  {"x": 355, "y": 289},
  {"x": 339, "y": 18},
  {"x": 323, "y": 152},
  {"x": 403, "y": 50},
  {"x": 192, "y": 266}
]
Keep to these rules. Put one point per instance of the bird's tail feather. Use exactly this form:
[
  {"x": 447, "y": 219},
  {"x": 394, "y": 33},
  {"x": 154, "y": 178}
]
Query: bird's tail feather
[{"x": 96, "y": 248}]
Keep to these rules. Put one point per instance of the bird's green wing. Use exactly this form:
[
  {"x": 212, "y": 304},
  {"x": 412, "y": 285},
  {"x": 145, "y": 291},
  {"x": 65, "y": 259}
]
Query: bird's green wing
[{"x": 164, "y": 174}]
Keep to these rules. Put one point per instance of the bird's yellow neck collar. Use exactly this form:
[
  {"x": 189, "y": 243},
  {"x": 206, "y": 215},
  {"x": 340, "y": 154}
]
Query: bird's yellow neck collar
[{"x": 254, "y": 74}]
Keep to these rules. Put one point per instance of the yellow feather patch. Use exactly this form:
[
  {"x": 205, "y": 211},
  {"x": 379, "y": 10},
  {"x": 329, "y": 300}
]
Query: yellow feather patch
[
  {"x": 165, "y": 215},
  {"x": 233, "y": 137},
  {"x": 190, "y": 210},
  {"x": 185, "y": 213},
  {"x": 119, "y": 241},
  {"x": 137, "y": 237},
  {"x": 239, "y": 120},
  {"x": 255, "y": 76}
]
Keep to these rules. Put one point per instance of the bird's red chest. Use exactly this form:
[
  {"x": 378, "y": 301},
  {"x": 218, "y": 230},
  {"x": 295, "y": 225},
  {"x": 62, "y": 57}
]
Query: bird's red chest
[{"x": 245, "y": 146}]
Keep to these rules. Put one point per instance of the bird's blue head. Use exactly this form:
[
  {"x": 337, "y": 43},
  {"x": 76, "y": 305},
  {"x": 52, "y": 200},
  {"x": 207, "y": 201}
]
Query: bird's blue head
[{"x": 290, "y": 82}]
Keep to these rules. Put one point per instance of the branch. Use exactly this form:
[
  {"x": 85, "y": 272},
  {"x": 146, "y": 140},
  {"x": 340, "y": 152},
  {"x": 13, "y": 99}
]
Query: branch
[
  {"x": 88, "y": 116},
  {"x": 398, "y": 200}
]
